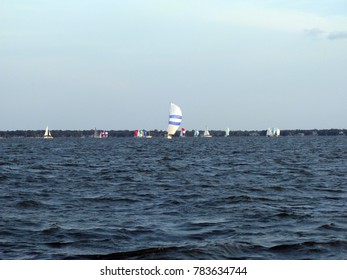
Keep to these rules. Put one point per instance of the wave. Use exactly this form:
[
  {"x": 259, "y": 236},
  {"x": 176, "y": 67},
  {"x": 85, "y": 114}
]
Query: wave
[
  {"x": 148, "y": 253},
  {"x": 29, "y": 204},
  {"x": 311, "y": 250},
  {"x": 221, "y": 199}
]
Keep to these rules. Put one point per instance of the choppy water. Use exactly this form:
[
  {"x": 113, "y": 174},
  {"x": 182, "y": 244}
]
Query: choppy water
[{"x": 192, "y": 198}]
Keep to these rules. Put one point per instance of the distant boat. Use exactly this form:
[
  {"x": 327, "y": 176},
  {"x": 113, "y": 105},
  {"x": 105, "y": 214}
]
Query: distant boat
[
  {"x": 96, "y": 134},
  {"x": 273, "y": 132},
  {"x": 207, "y": 133},
  {"x": 227, "y": 132},
  {"x": 196, "y": 133},
  {"x": 146, "y": 134},
  {"x": 175, "y": 119},
  {"x": 142, "y": 134},
  {"x": 138, "y": 133},
  {"x": 103, "y": 134},
  {"x": 47, "y": 134},
  {"x": 183, "y": 132}
]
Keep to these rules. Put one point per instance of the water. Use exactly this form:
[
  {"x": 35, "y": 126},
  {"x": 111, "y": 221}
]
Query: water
[{"x": 192, "y": 198}]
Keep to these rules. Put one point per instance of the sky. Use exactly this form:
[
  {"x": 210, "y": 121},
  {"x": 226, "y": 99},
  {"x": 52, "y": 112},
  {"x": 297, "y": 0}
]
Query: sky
[{"x": 246, "y": 65}]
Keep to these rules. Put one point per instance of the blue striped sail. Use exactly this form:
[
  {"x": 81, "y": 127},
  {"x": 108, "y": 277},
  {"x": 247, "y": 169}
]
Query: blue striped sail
[{"x": 175, "y": 119}]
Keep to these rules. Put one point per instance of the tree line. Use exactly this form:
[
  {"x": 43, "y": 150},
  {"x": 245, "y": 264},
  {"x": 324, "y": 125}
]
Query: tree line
[{"x": 161, "y": 133}]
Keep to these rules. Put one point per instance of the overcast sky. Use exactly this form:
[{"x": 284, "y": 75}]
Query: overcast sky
[{"x": 80, "y": 64}]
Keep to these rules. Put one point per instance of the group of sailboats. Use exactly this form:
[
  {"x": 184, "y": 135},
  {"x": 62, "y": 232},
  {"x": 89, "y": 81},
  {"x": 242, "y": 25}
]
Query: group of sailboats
[
  {"x": 175, "y": 119},
  {"x": 142, "y": 133},
  {"x": 102, "y": 134}
]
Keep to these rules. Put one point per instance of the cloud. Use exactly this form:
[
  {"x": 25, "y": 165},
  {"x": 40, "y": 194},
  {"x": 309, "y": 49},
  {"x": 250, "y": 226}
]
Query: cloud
[
  {"x": 337, "y": 35},
  {"x": 314, "y": 32},
  {"x": 266, "y": 17},
  {"x": 317, "y": 32}
]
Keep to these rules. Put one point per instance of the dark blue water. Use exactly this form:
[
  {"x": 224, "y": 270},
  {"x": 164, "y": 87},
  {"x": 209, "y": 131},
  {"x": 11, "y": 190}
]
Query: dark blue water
[{"x": 192, "y": 198}]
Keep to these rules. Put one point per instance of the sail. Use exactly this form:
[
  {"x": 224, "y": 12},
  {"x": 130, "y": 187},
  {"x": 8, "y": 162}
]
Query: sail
[
  {"x": 227, "y": 132},
  {"x": 273, "y": 132},
  {"x": 103, "y": 134},
  {"x": 269, "y": 132},
  {"x": 207, "y": 133},
  {"x": 278, "y": 132},
  {"x": 175, "y": 119},
  {"x": 196, "y": 133},
  {"x": 47, "y": 134}
]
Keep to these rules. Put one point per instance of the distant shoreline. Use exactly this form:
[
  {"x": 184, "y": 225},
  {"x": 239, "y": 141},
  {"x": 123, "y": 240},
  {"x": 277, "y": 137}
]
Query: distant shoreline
[{"x": 161, "y": 133}]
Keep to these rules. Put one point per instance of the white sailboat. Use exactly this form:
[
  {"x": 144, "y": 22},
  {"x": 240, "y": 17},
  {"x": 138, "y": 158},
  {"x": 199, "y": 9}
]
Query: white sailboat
[
  {"x": 227, "y": 132},
  {"x": 47, "y": 134},
  {"x": 196, "y": 133},
  {"x": 96, "y": 134},
  {"x": 207, "y": 133},
  {"x": 175, "y": 119},
  {"x": 101, "y": 134},
  {"x": 273, "y": 132}
]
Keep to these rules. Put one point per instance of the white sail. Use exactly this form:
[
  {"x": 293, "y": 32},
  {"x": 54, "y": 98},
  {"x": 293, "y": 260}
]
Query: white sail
[
  {"x": 271, "y": 132},
  {"x": 196, "y": 133},
  {"x": 103, "y": 134},
  {"x": 207, "y": 133},
  {"x": 227, "y": 132},
  {"x": 96, "y": 135},
  {"x": 175, "y": 119},
  {"x": 47, "y": 134}
]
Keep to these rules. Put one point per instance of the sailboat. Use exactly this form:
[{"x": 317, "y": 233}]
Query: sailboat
[
  {"x": 175, "y": 119},
  {"x": 273, "y": 132},
  {"x": 138, "y": 133},
  {"x": 227, "y": 132},
  {"x": 142, "y": 134},
  {"x": 146, "y": 134},
  {"x": 196, "y": 133},
  {"x": 183, "y": 132},
  {"x": 47, "y": 134},
  {"x": 96, "y": 134},
  {"x": 207, "y": 133},
  {"x": 103, "y": 134}
]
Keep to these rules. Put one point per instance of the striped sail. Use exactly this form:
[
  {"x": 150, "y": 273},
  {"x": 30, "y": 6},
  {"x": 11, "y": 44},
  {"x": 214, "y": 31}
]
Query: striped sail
[{"x": 175, "y": 119}]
